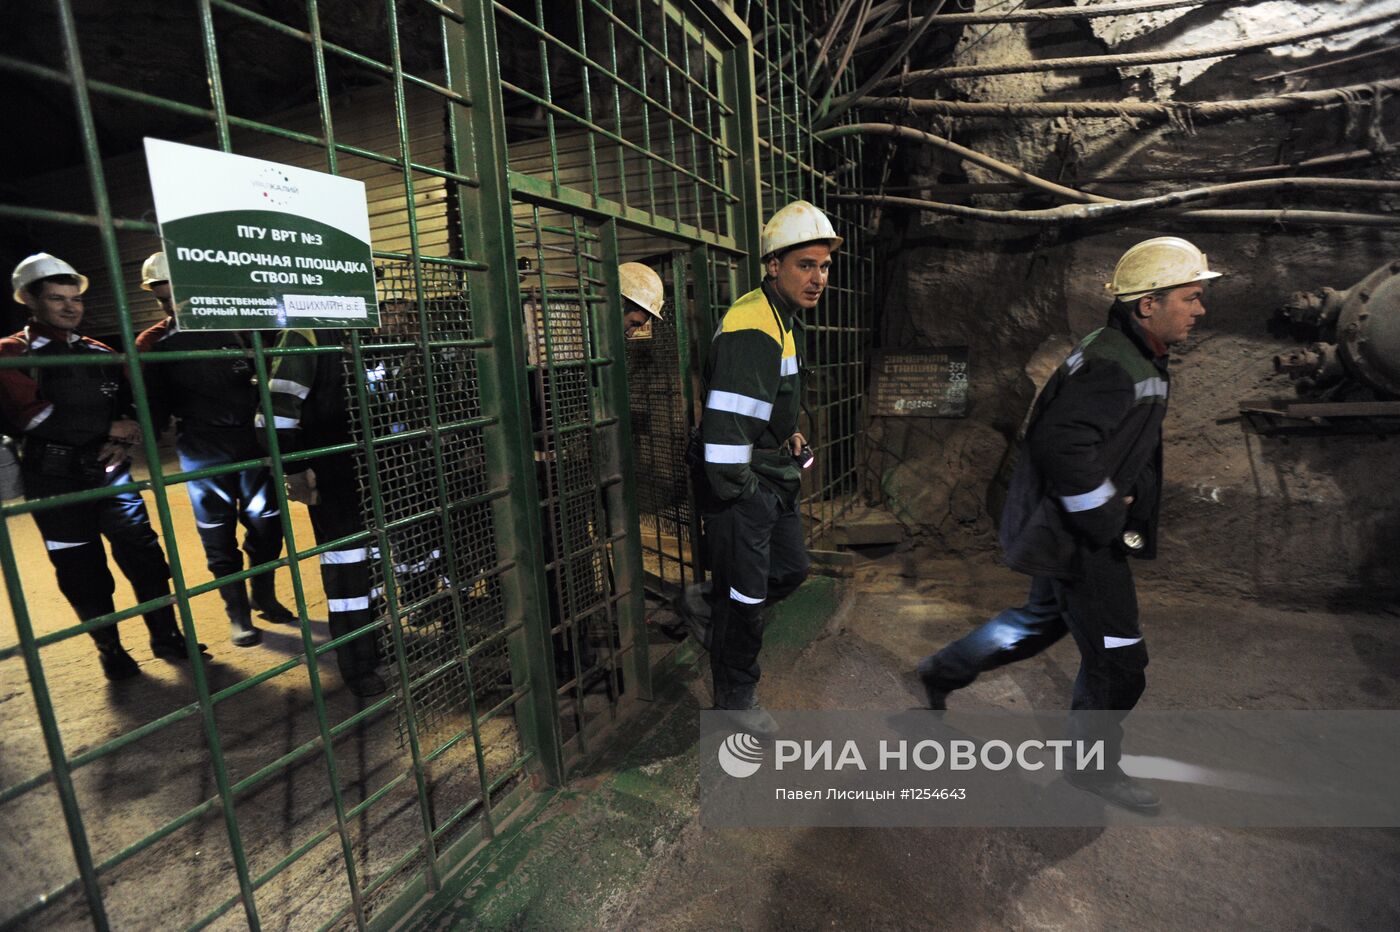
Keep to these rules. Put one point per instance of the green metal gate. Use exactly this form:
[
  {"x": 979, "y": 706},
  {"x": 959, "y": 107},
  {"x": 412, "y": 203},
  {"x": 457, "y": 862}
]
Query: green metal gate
[{"x": 515, "y": 153}]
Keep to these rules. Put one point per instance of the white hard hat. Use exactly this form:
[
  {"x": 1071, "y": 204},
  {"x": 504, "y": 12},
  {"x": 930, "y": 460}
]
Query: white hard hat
[
  {"x": 42, "y": 265},
  {"x": 797, "y": 223},
  {"x": 1158, "y": 263},
  {"x": 154, "y": 270},
  {"x": 642, "y": 286}
]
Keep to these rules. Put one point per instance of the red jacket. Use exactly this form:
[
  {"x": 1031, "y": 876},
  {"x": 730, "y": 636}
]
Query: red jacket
[{"x": 66, "y": 404}]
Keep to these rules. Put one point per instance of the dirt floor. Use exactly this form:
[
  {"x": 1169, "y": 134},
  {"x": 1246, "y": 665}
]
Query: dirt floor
[
  {"x": 1207, "y": 654},
  {"x": 167, "y": 773}
]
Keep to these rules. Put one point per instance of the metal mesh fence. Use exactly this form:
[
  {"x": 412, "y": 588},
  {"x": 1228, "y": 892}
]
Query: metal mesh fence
[
  {"x": 659, "y": 369},
  {"x": 562, "y": 294},
  {"x": 792, "y": 95},
  {"x": 499, "y": 472}
]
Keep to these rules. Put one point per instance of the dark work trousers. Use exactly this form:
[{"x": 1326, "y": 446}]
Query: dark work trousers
[
  {"x": 757, "y": 557},
  {"x": 1101, "y": 612},
  {"x": 345, "y": 573},
  {"x": 73, "y": 538},
  {"x": 223, "y": 502}
]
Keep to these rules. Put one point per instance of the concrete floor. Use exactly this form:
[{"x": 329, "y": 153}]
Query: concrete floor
[
  {"x": 623, "y": 849},
  {"x": 1205, "y": 655}
]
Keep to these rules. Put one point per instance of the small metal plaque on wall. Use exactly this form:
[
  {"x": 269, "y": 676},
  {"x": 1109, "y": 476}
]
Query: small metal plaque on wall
[{"x": 920, "y": 382}]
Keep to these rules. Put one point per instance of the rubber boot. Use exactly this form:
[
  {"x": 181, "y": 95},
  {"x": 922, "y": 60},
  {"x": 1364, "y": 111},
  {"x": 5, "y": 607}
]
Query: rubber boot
[
  {"x": 167, "y": 642},
  {"x": 265, "y": 600},
  {"x": 240, "y": 620},
  {"x": 936, "y": 688},
  {"x": 742, "y": 708},
  {"x": 117, "y": 663}
]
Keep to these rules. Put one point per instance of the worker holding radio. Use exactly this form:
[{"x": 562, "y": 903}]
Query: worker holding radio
[{"x": 753, "y": 454}]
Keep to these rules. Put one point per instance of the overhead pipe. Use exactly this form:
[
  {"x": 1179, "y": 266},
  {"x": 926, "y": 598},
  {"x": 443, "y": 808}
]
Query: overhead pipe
[
  {"x": 1035, "y": 16},
  {"x": 843, "y": 104},
  {"x": 1082, "y": 213},
  {"x": 1094, "y": 207},
  {"x": 1391, "y": 11},
  {"x": 971, "y": 155},
  {"x": 1186, "y": 109},
  {"x": 846, "y": 53},
  {"x": 837, "y": 22}
]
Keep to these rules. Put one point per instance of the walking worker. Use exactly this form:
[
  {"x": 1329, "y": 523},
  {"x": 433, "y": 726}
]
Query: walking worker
[
  {"x": 754, "y": 454},
  {"x": 1084, "y": 498},
  {"x": 213, "y": 402},
  {"x": 77, "y": 427},
  {"x": 309, "y": 403},
  {"x": 643, "y": 296}
]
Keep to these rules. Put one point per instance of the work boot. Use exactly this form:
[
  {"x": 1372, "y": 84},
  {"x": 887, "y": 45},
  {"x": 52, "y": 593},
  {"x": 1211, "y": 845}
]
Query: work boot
[
  {"x": 365, "y": 685},
  {"x": 936, "y": 689},
  {"x": 171, "y": 647},
  {"x": 265, "y": 600},
  {"x": 240, "y": 621},
  {"x": 117, "y": 663},
  {"x": 740, "y": 705},
  {"x": 1121, "y": 790}
]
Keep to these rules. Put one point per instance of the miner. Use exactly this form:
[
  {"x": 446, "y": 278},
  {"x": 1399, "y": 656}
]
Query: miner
[
  {"x": 753, "y": 453},
  {"x": 77, "y": 426},
  {"x": 1084, "y": 499}
]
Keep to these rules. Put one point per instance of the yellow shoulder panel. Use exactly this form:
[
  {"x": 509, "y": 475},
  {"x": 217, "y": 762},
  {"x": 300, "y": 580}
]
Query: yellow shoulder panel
[{"x": 752, "y": 312}]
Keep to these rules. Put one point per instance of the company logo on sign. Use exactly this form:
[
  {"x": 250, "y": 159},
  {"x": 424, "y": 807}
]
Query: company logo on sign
[
  {"x": 276, "y": 188},
  {"x": 740, "y": 755}
]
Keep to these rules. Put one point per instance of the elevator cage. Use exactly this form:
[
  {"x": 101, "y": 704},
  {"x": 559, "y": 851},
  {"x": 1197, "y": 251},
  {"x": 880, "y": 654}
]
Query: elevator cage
[{"x": 523, "y": 492}]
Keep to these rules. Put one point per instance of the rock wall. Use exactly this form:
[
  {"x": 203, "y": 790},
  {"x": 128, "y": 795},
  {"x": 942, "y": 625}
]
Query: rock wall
[{"x": 1302, "y": 521}]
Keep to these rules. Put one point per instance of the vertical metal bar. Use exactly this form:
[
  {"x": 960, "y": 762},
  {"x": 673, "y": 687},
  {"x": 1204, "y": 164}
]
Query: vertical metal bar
[
  {"x": 288, "y": 529},
  {"x": 473, "y": 69},
  {"x": 617, "y": 110},
  {"x": 386, "y": 557},
  {"x": 152, "y": 452},
  {"x": 587, "y": 101},
  {"x": 622, "y": 497},
  {"x": 689, "y": 91},
  {"x": 682, "y": 273},
  {"x": 742, "y": 136},
  {"x": 548, "y": 95},
  {"x": 665, "y": 22},
  {"x": 560, "y": 501},
  {"x": 453, "y": 143},
  {"x": 53, "y": 736},
  {"x": 599, "y": 542},
  {"x": 646, "y": 110}
]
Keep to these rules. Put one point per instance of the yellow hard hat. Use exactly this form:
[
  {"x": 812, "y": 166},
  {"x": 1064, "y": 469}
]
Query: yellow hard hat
[
  {"x": 41, "y": 265},
  {"x": 154, "y": 270},
  {"x": 1158, "y": 263},
  {"x": 797, "y": 223},
  {"x": 642, "y": 286}
]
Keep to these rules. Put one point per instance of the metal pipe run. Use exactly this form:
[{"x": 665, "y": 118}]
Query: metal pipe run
[
  {"x": 971, "y": 155},
  {"x": 1190, "y": 110},
  {"x": 1070, "y": 213},
  {"x": 1037, "y": 16},
  {"x": 1095, "y": 207},
  {"x": 1390, "y": 11}
]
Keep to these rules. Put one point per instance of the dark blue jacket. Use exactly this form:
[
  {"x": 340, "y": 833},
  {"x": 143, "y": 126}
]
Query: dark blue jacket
[{"x": 1095, "y": 437}]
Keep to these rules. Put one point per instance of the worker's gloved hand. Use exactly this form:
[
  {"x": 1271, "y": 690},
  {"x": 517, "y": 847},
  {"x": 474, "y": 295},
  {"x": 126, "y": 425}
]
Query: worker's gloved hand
[
  {"x": 121, "y": 436},
  {"x": 301, "y": 487}
]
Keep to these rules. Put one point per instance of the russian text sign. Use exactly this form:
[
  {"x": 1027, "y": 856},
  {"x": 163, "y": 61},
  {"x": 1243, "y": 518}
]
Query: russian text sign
[
  {"x": 920, "y": 382},
  {"x": 256, "y": 245}
]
